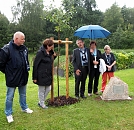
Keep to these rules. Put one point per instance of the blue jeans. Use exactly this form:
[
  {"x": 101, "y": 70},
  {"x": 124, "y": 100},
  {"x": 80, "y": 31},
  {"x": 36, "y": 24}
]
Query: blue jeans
[{"x": 10, "y": 96}]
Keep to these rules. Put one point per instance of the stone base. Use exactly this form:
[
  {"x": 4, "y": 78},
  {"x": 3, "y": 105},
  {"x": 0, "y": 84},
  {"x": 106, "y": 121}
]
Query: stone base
[{"x": 108, "y": 99}]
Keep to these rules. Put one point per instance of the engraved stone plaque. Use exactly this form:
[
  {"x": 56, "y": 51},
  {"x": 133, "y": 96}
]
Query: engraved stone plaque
[{"x": 118, "y": 89}]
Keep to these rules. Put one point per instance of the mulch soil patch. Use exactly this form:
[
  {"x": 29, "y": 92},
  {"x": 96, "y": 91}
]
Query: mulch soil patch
[{"x": 61, "y": 101}]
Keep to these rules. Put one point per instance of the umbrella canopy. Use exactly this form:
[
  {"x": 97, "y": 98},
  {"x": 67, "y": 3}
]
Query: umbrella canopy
[{"x": 92, "y": 32}]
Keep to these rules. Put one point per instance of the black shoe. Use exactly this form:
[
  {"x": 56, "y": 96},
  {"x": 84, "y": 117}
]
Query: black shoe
[
  {"x": 83, "y": 97},
  {"x": 96, "y": 93},
  {"x": 77, "y": 97}
]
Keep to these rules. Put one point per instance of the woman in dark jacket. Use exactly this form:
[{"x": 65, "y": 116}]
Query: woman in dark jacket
[
  {"x": 110, "y": 62},
  {"x": 42, "y": 70},
  {"x": 95, "y": 55}
]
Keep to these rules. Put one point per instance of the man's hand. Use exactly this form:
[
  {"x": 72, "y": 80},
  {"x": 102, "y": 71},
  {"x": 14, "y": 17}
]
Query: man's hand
[{"x": 78, "y": 72}]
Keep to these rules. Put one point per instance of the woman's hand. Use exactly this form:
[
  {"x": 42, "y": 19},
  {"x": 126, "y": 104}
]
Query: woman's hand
[
  {"x": 95, "y": 62},
  {"x": 91, "y": 50},
  {"x": 109, "y": 67},
  {"x": 35, "y": 81},
  {"x": 54, "y": 54}
]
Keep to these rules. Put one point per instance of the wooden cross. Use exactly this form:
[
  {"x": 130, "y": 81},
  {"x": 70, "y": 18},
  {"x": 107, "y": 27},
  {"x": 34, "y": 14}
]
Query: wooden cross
[{"x": 66, "y": 42}]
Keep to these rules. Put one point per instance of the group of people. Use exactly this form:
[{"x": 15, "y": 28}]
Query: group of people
[
  {"x": 15, "y": 65},
  {"x": 90, "y": 62}
]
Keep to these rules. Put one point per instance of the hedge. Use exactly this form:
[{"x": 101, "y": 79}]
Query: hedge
[{"x": 124, "y": 60}]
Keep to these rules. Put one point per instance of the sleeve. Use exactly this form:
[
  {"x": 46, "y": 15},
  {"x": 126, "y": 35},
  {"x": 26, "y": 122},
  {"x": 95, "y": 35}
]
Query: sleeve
[
  {"x": 113, "y": 57},
  {"x": 99, "y": 56},
  {"x": 52, "y": 52},
  {"x": 36, "y": 64},
  {"x": 3, "y": 60},
  {"x": 74, "y": 60},
  {"x": 28, "y": 65},
  {"x": 103, "y": 56},
  {"x": 91, "y": 57}
]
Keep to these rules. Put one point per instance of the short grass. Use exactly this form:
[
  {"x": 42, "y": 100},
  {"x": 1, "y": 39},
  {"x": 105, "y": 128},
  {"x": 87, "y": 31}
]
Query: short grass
[{"x": 88, "y": 114}]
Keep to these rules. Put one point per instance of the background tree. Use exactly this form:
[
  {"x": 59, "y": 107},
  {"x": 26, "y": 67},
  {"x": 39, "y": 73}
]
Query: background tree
[
  {"x": 30, "y": 17},
  {"x": 128, "y": 16},
  {"x": 85, "y": 14},
  {"x": 122, "y": 39},
  {"x": 4, "y": 35},
  {"x": 30, "y": 21},
  {"x": 112, "y": 18}
]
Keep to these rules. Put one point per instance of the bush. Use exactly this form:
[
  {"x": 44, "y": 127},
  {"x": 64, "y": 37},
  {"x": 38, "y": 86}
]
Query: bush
[
  {"x": 62, "y": 51},
  {"x": 62, "y": 65},
  {"x": 70, "y": 69},
  {"x": 124, "y": 60}
]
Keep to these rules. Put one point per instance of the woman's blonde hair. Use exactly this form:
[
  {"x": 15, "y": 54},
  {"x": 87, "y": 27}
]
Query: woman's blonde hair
[{"x": 107, "y": 47}]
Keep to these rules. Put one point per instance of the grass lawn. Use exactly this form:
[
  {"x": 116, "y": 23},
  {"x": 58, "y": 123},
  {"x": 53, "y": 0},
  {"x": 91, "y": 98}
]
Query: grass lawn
[{"x": 88, "y": 114}]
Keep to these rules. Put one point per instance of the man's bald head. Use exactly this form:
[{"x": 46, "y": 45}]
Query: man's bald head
[{"x": 19, "y": 38}]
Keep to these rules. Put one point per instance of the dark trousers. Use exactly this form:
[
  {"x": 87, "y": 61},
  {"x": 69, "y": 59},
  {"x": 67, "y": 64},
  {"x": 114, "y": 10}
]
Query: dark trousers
[
  {"x": 93, "y": 76},
  {"x": 80, "y": 81}
]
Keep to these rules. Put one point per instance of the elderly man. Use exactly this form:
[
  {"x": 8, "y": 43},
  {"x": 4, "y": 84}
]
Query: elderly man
[
  {"x": 81, "y": 63},
  {"x": 14, "y": 64}
]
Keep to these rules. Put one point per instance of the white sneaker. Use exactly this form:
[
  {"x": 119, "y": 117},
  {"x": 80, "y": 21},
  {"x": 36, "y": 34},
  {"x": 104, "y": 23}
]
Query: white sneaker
[
  {"x": 89, "y": 94},
  {"x": 10, "y": 118},
  {"x": 28, "y": 110},
  {"x": 44, "y": 106}
]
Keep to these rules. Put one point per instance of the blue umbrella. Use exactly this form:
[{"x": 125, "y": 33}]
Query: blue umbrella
[{"x": 92, "y": 32}]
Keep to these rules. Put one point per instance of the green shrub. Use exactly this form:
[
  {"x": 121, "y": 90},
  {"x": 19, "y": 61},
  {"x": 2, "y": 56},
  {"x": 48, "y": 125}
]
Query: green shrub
[
  {"x": 124, "y": 60},
  {"x": 70, "y": 69},
  {"x": 62, "y": 51}
]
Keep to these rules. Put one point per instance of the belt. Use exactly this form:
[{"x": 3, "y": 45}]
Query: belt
[{"x": 84, "y": 66}]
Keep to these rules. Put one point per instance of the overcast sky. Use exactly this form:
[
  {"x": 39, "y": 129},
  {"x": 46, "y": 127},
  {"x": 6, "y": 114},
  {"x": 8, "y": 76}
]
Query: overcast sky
[{"x": 5, "y": 5}]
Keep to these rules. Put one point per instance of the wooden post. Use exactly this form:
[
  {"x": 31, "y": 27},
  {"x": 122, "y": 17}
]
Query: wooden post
[
  {"x": 52, "y": 86},
  {"x": 67, "y": 70}
]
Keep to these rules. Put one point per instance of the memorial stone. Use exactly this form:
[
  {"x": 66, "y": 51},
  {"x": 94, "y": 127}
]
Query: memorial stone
[{"x": 116, "y": 89}]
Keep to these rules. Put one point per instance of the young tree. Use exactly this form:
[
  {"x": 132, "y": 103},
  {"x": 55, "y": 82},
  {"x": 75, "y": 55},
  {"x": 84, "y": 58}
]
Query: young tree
[{"x": 61, "y": 19}]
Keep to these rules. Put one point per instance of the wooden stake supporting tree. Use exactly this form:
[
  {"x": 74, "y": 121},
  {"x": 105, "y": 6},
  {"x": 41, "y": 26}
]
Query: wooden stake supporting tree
[{"x": 66, "y": 42}]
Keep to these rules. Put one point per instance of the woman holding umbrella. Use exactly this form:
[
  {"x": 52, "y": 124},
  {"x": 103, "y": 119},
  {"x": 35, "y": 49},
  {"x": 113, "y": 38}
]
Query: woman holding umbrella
[{"x": 95, "y": 55}]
